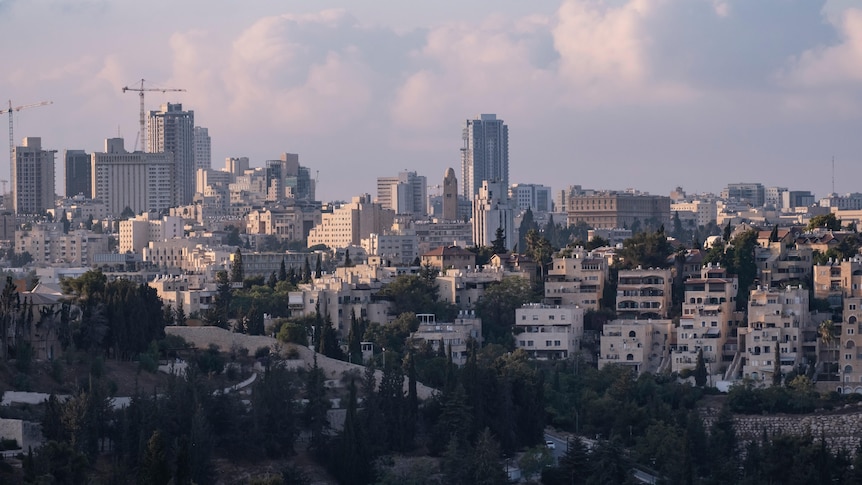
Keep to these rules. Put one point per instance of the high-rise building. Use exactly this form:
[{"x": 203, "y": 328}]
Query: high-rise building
[
  {"x": 485, "y": 154},
  {"x": 171, "y": 130},
  {"x": 535, "y": 197},
  {"x": 140, "y": 181},
  {"x": 450, "y": 196},
  {"x": 406, "y": 194},
  {"x": 236, "y": 166},
  {"x": 78, "y": 174},
  {"x": 492, "y": 210},
  {"x": 203, "y": 148},
  {"x": 32, "y": 178},
  {"x": 753, "y": 194}
]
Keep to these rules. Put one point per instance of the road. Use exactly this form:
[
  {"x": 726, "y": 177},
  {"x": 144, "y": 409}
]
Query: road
[{"x": 561, "y": 446}]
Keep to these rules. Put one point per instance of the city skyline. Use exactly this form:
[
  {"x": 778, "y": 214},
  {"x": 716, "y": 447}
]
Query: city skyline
[{"x": 691, "y": 93}]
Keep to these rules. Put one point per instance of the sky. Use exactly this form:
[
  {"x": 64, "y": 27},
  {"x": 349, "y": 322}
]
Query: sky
[{"x": 614, "y": 94}]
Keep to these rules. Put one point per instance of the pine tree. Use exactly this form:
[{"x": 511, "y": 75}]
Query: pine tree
[
  {"x": 700, "y": 373},
  {"x": 776, "y": 366},
  {"x": 318, "y": 268},
  {"x": 154, "y": 467},
  {"x": 237, "y": 272},
  {"x": 272, "y": 280},
  {"x": 282, "y": 271}
]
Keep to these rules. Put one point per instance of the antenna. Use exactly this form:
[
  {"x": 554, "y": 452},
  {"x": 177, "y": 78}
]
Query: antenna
[{"x": 833, "y": 174}]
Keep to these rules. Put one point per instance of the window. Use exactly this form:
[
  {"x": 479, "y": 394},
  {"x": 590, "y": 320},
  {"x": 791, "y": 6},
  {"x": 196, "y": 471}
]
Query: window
[
  {"x": 556, "y": 343},
  {"x": 547, "y": 343},
  {"x": 529, "y": 343}
]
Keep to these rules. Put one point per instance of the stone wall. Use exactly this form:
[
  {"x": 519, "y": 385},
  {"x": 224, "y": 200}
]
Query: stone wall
[
  {"x": 26, "y": 433},
  {"x": 842, "y": 429}
]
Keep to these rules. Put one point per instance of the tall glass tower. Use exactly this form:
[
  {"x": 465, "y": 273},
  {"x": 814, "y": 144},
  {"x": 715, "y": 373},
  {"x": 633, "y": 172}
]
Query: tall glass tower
[{"x": 485, "y": 153}]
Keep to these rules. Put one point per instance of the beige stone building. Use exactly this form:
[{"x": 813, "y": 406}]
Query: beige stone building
[
  {"x": 644, "y": 293},
  {"x": 707, "y": 321},
  {"x": 776, "y": 317},
  {"x": 454, "y": 257},
  {"x": 850, "y": 348},
  {"x": 779, "y": 263},
  {"x": 454, "y": 335},
  {"x": 836, "y": 280},
  {"x": 549, "y": 332},
  {"x": 641, "y": 344},
  {"x": 579, "y": 280},
  {"x": 608, "y": 210},
  {"x": 49, "y": 245},
  {"x": 350, "y": 223}
]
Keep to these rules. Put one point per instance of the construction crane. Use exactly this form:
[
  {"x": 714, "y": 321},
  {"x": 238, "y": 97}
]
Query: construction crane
[
  {"x": 143, "y": 119},
  {"x": 11, "y": 111}
]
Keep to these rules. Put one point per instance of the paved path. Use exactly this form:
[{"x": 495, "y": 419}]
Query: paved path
[{"x": 202, "y": 337}]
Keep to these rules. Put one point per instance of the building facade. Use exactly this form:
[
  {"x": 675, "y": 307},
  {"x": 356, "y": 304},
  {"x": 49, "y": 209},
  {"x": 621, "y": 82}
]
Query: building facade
[
  {"x": 549, "y": 332},
  {"x": 78, "y": 173},
  {"x": 203, "y": 148},
  {"x": 485, "y": 153},
  {"x": 608, "y": 210},
  {"x": 139, "y": 181},
  {"x": 171, "y": 130},
  {"x": 32, "y": 178},
  {"x": 492, "y": 210}
]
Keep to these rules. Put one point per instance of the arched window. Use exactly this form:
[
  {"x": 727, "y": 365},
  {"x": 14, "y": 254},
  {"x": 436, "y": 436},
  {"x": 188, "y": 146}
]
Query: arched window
[
  {"x": 848, "y": 369},
  {"x": 850, "y": 344},
  {"x": 632, "y": 334},
  {"x": 630, "y": 357}
]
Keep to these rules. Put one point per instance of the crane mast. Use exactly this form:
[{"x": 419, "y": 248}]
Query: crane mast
[
  {"x": 143, "y": 119},
  {"x": 11, "y": 110}
]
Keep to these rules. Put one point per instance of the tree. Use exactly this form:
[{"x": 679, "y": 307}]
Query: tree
[
  {"x": 282, "y": 271},
  {"x": 826, "y": 332},
  {"x": 237, "y": 272},
  {"x": 317, "y": 406},
  {"x": 647, "y": 250},
  {"x": 527, "y": 224},
  {"x": 776, "y": 365},
  {"x": 540, "y": 250},
  {"x": 700, "y": 370},
  {"x": 824, "y": 221},
  {"x": 498, "y": 304},
  {"x": 318, "y": 267},
  {"x": 486, "y": 466},
  {"x": 272, "y": 280},
  {"x": 155, "y": 468},
  {"x": 498, "y": 245},
  {"x": 9, "y": 303},
  {"x": 347, "y": 261}
]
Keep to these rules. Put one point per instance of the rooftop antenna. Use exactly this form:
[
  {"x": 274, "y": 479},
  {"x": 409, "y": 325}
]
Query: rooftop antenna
[{"x": 833, "y": 174}]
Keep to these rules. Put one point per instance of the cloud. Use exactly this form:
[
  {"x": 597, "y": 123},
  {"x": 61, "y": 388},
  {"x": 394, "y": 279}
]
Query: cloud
[{"x": 836, "y": 65}]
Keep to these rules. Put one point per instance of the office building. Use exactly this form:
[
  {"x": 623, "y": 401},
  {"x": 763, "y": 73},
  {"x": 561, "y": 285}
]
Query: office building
[
  {"x": 535, "y": 197},
  {"x": 32, "y": 178},
  {"x": 78, "y": 174},
  {"x": 140, "y": 181},
  {"x": 609, "y": 210},
  {"x": 236, "y": 166},
  {"x": 485, "y": 153},
  {"x": 406, "y": 194},
  {"x": 753, "y": 194},
  {"x": 171, "y": 130},
  {"x": 203, "y": 148}
]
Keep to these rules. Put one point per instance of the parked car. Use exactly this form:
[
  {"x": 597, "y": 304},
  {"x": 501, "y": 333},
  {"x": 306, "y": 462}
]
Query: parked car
[{"x": 551, "y": 445}]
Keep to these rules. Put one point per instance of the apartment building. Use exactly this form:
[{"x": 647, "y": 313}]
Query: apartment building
[
  {"x": 549, "y": 332},
  {"x": 136, "y": 233},
  {"x": 287, "y": 223},
  {"x": 699, "y": 212},
  {"x": 579, "y": 280},
  {"x": 32, "y": 177},
  {"x": 707, "y": 321},
  {"x": 453, "y": 336},
  {"x": 776, "y": 317},
  {"x": 350, "y": 223},
  {"x": 644, "y": 293},
  {"x": 837, "y": 280},
  {"x": 492, "y": 211},
  {"x": 184, "y": 291},
  {"x": 139, "y": 181},
  {"x": 464, "y": 288},
  {"x": 640, "y": 344},
  {"x": 444, "y": 258},
  {"x": 49, "y": 245},
  {"x": 339, "y": 299},
  {"x": 850, "y": 347},
  {"x": 779, "y": 263},
  {"x": 399, "y": 249}
]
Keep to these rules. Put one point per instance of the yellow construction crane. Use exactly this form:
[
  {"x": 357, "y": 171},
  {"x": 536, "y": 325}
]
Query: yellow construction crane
[
  {"x": 11, "y": 111},
  {"x": 143, "y": 119}
]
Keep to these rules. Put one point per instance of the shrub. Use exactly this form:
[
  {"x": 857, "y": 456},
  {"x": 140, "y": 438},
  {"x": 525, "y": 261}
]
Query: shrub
[
  {"x": 56, "y": 371},
  {"x": 97, "y": 367},
  {"x": 148, "y": 363},
  {"x": 21, "y": 382}
]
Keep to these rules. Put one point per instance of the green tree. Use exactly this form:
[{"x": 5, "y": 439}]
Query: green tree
[
  {"x": 155, "y": 468},
  {"x": 700, "y": 373},
  {"x": 776, "y": 365},
  {"x": 497, "y": 307},
  {"x": 485, "y": 464},
  {"x": 527, "y": 224},
  {"x": 824, "y": 221},
  {"x": 647, "y": 250},
  {"x": 282, "y": 271},
  {"x": 498, "y": 245},
  {"x": 237, "y": 271},
  {"x": 318, "y": 267},
  {"x": 315, "y": 412}
]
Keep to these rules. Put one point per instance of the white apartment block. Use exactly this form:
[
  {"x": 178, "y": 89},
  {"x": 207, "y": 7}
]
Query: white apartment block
[
  {"x": 644, "y": 293},
  {"x": 399, "y": 249},
  {"x": 773, "y": 196},
  {"x": 707, "y": 320},
  {"x": 549, "y": 332},
  {"x": 775, "y": 318},
  {"x": 851, "y": 202},
  {"x": 193, "y": 255},
  {"x": 350, "y": 223},
  {"x": 492, "y": 210},
  {"x": 850, "y": 361},
  {"x": 577, "y": 280},
  {"x": 535, "y": 197},
  {"x": 640, "y": 344},
  {"x": 138, "y": 232},
  {"x": 266, "y": 263},
  {"x": 702, "y": 212},
  {"x": 48, "y": 245},
  {"x": 339, "y": 299},
  {"x": 140, "y": 181},
  {"x": 185, "y": 291},
  {"x": 406, "y": 194},
  {"x": 430, "y": 235},
  {"x": 452, "y": 335}
]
